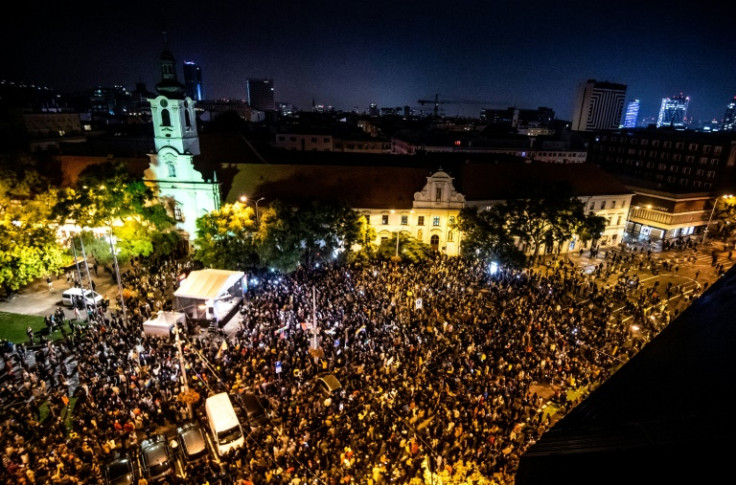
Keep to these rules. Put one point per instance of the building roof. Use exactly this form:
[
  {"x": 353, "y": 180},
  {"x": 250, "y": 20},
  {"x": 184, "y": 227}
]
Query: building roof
[
  {"x": 359, "y": 186},
  {"x": 666, "y": 416},
  {"x": 503, "y": 181},
  {"x": 391, "y": 187}
]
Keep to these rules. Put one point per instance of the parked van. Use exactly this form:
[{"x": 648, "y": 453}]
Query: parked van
[
  {"x": 227, "y": 433},
  {"x": 81, "y": 298}
]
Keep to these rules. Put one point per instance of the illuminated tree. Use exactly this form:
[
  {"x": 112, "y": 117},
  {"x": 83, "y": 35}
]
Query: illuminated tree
[
  {"x": 309, "y": 234},
  {"x": 226, "y": 238},
  {"x": 110, "y": 196},
  {"x": 410, "y": 249},
  {"x": 487, "y": 236},
  {"x": 28, "y": 245}
]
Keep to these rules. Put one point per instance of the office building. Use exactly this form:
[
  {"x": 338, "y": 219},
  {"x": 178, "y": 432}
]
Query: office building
[
  {"x": 193, "y": 80},
  {"x": 673, "y": 111},
  {"x": 260, "y": 94},
  {"x": 632, "y": 114},
  {"x": 598, "y": 106},
  {"x": 729, "y": 118}
]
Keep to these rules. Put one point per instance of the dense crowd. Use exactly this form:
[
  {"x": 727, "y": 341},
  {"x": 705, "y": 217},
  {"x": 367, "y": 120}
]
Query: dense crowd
[{"x": 443, "y": 366}]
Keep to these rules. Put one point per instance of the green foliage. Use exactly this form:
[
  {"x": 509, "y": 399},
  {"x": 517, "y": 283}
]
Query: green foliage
[
  {"x": 226, "y": 238},
  {"x": 410, "y": 249},
  {"x": 486, "y": 236},
  {"x": 108, "y": 195},
  {"x": 28, "y": 245},
  {"x": 279, "y": 239},
  {"x": 365, "y": 249}
]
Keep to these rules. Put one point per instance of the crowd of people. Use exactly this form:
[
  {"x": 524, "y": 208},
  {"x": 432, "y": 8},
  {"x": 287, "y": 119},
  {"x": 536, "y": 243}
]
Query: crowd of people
[{"x": 442, "y": 365}]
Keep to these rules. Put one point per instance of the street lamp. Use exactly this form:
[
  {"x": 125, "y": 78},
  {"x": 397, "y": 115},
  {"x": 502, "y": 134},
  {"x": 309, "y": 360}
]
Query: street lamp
[
  {"x": 182, "y": 365},
  {"x": 244, "y": 200},
  {"x": 117, "y": 274}
]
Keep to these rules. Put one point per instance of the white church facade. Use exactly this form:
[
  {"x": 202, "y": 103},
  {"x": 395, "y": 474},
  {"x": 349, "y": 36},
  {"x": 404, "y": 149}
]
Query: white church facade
[{"x": 171, "y": 173}]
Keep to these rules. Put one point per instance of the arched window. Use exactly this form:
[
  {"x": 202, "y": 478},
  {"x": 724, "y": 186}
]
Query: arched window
[
  {"x": 187, "y": 120},
  {"x": 165, "y": 118},
  {"x": 172, "y": 170},
  {"x": 434, "y": 242}
]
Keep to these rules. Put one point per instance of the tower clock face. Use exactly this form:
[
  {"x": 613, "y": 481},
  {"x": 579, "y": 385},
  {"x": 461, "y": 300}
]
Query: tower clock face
[{"x": 164, "y": 103}]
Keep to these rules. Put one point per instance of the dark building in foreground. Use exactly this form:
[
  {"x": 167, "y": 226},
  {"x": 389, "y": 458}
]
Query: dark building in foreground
[
  {"x": 666, "y": 416},
  {"x": 675, "y": 175},
  {"x": 260, "y": 94}
]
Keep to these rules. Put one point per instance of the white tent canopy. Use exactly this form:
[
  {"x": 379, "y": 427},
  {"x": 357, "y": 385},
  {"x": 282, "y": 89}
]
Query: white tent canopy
[
  {"x": 207, "y": 284},
  {"x": 162, "y": 323}
]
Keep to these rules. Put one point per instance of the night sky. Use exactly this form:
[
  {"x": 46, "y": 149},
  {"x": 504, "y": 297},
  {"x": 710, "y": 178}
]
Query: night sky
[{"x": 350, "y": 53}]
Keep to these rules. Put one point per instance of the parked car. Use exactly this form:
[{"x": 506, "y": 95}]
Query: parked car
[
  {"x": 156, "y": 459},
  {"x": 191, "y": 442},
  {"x": 121, "y": 471},
  {"x": 329, "y": 384},
  {"x": 254, "y": 409}
]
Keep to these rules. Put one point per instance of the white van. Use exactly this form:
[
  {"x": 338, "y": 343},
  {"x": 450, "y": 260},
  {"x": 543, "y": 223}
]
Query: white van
[
  {"x": 85, "y": 298},
  {"x": 227, "y": 433}
]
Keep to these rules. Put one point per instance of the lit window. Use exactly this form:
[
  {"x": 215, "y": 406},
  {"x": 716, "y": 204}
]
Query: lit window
[
  {"x": 436, "y": 221},
  {"x": 384, "y": 219}
]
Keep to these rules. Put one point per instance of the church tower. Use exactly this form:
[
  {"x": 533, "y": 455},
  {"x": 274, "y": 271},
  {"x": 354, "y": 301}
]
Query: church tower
[{"x": 171, "y": 171}]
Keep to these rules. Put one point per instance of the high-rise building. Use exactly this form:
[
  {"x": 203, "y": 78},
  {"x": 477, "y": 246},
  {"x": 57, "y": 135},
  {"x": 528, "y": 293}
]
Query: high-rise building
[
  {"x": 193, "y": 80},
  {"x": 598, "y": 106},
  {"x": 260, "y": 94},
  {"x": 673, "y": 111},
  {"x": 729, "y": 118},
  {"x": 632, "y": 114}
]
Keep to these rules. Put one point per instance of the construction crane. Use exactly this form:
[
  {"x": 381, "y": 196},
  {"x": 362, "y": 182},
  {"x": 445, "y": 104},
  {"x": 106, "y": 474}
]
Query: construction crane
[{"x": 437, "y": 102}]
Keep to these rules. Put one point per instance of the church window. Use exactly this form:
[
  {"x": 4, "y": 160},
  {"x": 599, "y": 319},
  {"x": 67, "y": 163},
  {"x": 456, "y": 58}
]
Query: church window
[
  {"x": 384, "y": 219},
  {"x": 420, "y": 221},
  {"x": 436, "y": 221},
  {"x": 172, "y": 170},
  {"x": 438, "y": 194},
  {"x": 165, "y": 117}
]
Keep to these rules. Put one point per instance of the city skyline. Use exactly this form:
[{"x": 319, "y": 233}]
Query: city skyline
[{"x": 348, "y": 56}]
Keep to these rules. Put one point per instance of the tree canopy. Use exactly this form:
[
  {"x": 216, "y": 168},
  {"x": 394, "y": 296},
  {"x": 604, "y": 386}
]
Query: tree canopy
[
  {"x": 28, "y": 245},
  {"x": 109, "y": 196}
]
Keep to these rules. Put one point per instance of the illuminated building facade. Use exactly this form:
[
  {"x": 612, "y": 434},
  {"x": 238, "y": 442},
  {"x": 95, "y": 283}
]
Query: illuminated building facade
[
  {"x": 673, "y": 111},
  {"x": 598, "y": 106},
  {"x": 171, "y": 173},
  {"x": 632, "y": 114},
  {"x": 729, "y": 118},
  {"x": 193, "y": 81}
]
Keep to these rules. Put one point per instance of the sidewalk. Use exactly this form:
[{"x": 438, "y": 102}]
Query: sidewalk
[{"x": 36, "y": 299}]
